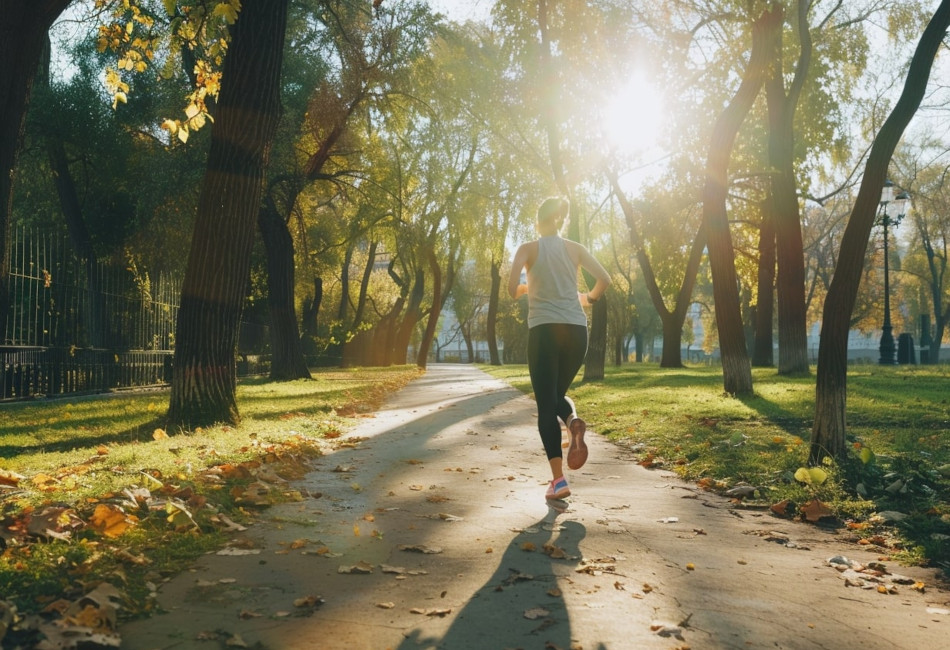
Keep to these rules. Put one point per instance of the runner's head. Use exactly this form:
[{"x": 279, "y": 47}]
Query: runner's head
[{"x": 552, "y": 214}]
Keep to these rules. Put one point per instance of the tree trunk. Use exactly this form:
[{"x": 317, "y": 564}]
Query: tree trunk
[
  {"x": 23, "y": 35},
  {"x": 403, "y": 335},
  {"x": 434, "y": 312},
  {"x": 287, "y": 357},
  {"x": 762, "y": 355},
  {"x": 736, "y": 370},
  {"x": 828, "y": 432},
  {"x": 94, "y": 310},
  {"x": 492, "y": 319},
  {"x": 790, "y": 289},
  {"x": 672, "y": 320},
  {"x": 311, "y": 308},
  {"x": 213, "y": 291},
  {"x": 595, "y": 361}
]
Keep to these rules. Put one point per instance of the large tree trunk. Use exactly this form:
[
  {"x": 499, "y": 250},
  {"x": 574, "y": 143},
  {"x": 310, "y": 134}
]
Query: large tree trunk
[
  {"x": 762, "y": 355},
  {"x": 790, "y": 289},
  {"x": 672, "y": 356},
  {"x": 828, "y": 432},
  {"x": 434, "y": 312},
  {"x": 287, "y": 357},
  {"x": 492, "y": 318},
  {"x": 736, "y": 370},
  {"x": 595, "y": 361},
  {"x": 213, "y": 291},
  {"x": 403, "y": 335},
  {"x": 23, "y": 33}
]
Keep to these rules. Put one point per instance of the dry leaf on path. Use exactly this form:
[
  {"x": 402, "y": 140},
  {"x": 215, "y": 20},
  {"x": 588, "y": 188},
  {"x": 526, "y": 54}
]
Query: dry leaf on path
[
  {"x": 386, "y": 605},
  {"x": 308, "y": 601},
  {"x": 815, "y": 510},
  {"x": 420, "y": 548},
  {"x": 535, "y": 613},
  {"x": 359, "y": 567},
  {"x": 437, "y": 611},
  {"x": 230, "y": 550}
]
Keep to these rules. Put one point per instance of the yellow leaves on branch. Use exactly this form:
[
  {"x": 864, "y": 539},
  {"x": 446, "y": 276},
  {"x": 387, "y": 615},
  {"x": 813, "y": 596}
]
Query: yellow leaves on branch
[{"x": 199, "y": 26}]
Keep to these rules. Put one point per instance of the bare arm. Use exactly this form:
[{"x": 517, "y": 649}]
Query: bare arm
[
  {"x": 595, "y": 268},
  {"x": 515, "y": 288}
]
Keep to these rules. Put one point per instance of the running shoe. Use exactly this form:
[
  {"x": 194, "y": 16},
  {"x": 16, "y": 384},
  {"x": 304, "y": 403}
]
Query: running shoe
[
  {"x": 558, "y": 489},
  {"x": 577, "y": 452}
]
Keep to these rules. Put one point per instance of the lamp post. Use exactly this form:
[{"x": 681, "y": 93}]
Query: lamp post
[{"x": 897, "y": 206}]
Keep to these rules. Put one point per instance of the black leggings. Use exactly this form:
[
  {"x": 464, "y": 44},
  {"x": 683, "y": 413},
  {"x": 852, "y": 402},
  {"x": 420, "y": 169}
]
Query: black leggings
[{"x": 556, "y": 352}]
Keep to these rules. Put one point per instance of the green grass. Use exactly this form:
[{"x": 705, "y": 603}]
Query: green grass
[
  {"x": 60, "y": 460},
  {"x": 681, "y": 420}
]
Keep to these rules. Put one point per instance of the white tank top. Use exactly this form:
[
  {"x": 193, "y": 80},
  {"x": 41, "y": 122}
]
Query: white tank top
[{"x": 552, "y": 286}]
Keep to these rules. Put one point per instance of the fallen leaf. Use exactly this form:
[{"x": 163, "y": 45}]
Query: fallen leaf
[
  {"x": 815, "y": 510},
  {"x": 398, "y": 570},
  {"x": 528, "y": 546},
  {"x": 11, "y": 478},
  {"x": 111, "y": 520},
  {"x": 230, "y": 550},
  {"x": 420, "y": 548},
  {"x": 439, "y": 611},
  {"x": 535, "y": 613},
  {"x": 385, "y": 605},
  {"x": 309, "y": 601},
  {"x": 359, "y": 567},
  {"x": 783, "y": 508},
  {"x": 159, "y": 434}
]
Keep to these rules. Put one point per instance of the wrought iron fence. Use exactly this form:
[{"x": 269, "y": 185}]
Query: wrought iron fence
[{"x": 75, "y": 327}]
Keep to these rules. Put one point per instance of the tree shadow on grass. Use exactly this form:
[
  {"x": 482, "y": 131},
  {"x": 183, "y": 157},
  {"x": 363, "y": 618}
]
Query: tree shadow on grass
[
  {"x": 520, "y": 605},
  {"x": 137, "y": 433}
]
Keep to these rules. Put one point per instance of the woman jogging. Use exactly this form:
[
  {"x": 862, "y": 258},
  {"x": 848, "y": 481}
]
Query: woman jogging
[{"x": 557, "y": 331}]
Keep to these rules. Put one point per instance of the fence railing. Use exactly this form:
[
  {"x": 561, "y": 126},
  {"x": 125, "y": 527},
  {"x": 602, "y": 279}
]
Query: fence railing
[{"x": 80, "y": 328}]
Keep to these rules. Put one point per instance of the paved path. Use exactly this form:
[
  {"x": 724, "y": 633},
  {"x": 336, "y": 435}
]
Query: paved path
[{"x": 453, "y": 463}]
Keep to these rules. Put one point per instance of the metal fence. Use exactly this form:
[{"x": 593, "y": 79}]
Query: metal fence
[{"x": 75, "y": 327}]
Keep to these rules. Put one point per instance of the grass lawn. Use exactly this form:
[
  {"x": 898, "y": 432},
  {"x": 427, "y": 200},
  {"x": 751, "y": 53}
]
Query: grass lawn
[
  {"x": 93, "y": 491},
  {"x": 898, "y": 419}
]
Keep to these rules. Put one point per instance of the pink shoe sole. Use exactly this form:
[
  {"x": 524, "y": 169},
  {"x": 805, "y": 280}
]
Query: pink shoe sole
[{"x": 577, "y": 453}]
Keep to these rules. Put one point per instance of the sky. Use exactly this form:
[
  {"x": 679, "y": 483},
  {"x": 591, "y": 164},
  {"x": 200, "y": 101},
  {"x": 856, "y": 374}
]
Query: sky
[{"x": 462, "y": 10}]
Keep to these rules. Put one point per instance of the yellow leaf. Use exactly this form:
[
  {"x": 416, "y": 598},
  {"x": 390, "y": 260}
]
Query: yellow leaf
[
  {"x": 228, "y": 11},
  {"x": 191, "y": 110},
  {"x": 10, "y": 478},
  {"x": 159, "y": 434},
  {"x": 183, "y": 133},
  {"x": 110, "y": 520}
]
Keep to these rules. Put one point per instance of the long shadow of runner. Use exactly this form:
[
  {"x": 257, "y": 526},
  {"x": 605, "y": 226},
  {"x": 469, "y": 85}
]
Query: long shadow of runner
[{"x": 521, "y": 604}]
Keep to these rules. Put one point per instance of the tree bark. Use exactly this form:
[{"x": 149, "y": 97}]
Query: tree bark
[
  {"x": 595, "y": 361},
  {"x": 287, "y": 357},
  {"x": 790, "y": 288},
  {"x": 403, "y": 335},
  {"x": 213, "y": 291},
  {"x": 828, "y": 431},
  {"x": 762, "y": 354},
  {"x": 736, "y": 370},
  {"x": 434, "y": 312},
  {"x": 672, "y": 320},
  {"x": 23, "y": 33},
  {"x": 492, "y": 318}
]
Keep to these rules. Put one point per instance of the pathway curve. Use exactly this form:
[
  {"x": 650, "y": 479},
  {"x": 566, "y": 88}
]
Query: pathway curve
[{"x": 453, "y": 465}]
